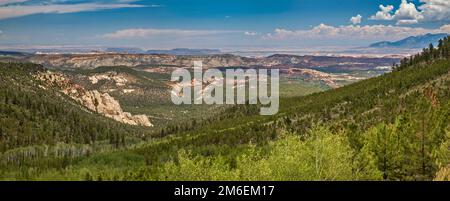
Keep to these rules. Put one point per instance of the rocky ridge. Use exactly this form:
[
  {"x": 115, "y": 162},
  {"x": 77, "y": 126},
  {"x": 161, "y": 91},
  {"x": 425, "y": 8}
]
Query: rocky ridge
[
  {"x": 90, "y": 61},
  {"x": 101, "y": 103}
]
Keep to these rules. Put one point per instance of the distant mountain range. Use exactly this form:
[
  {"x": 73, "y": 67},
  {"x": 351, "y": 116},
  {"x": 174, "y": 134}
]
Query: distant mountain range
[
  {"x": 129, "y": 50},
  {"x": 281, "y": 61},
  {"x": 421, "y": 41},
  {"x": 185, "y": 51},
  {"x": 177, "y": 51},
  {"x": 12, "y": 53}
]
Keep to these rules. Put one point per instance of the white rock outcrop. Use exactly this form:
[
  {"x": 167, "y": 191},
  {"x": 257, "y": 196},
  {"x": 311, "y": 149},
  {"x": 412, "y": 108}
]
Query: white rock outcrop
[
  {"x": 101, "y": 103},
  {"x": 118, "y": 79}
]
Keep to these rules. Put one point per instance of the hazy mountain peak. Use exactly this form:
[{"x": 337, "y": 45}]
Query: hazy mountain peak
[{"x": 420, "y": 41}]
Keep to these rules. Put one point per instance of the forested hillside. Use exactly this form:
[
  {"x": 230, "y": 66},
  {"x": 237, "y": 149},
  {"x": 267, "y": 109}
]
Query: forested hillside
[
  {"x": 41, "y": 126},
  {"x": 392, "y": 127},
  {"x": 37, "y": 121}
]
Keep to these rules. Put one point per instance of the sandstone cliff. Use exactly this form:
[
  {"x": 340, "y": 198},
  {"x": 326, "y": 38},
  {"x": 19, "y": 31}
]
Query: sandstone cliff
[{"x": 101, "y": 103}]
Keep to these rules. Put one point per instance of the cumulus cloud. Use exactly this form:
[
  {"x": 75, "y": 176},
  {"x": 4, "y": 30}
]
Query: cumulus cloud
[
  {"x": 11, "y": 11},
  {"x": 147, "y": 33},
  {"x": 384, "y": 13},
  {"x": 436, "y": 10},
  {"x": 409, "y": 13},
  {"x": 356, "y": 19},
  {"x": 368, "y": 32}
]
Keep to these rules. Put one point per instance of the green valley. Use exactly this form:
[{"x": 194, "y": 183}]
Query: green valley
[{"x": 395, "y": 126}]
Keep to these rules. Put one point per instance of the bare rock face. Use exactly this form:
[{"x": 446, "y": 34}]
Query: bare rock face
[
  {"x": 118, "y": 79},
  {"x": 101, "y": 103}
]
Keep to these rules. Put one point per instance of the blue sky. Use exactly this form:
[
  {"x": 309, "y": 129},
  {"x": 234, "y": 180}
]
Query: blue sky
[{"x": 233, "y": 24}]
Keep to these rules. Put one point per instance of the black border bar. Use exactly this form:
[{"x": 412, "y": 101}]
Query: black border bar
[{"x": 248, "y": 190}]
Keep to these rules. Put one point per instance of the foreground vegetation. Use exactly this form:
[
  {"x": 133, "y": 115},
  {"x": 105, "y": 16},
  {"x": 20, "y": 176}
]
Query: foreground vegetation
[{"x": 392, "y": 127}]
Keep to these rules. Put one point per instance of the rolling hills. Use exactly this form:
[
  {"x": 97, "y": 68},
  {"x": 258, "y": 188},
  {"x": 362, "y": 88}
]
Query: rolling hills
[
  {"x": 391, "y": 127},
  {"x": 90, "y": 61}
]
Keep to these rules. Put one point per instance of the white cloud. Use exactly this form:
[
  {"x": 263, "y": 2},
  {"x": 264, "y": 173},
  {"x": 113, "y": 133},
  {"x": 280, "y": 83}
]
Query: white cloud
[
  {"x": 356, "y": 19},
  {"x": 351, "y": 32},
  {"x": 406, "y": 22},
  {"x": 384, "y": 13},
  {"x": 23, "y": 10},
  {"x": 409, "y": 13},
  {"x": 435, "y": 10},
  {"x": 445, "y": 29},
  {"x": 147, "y": 33},
  {"x": 251, "y": 33}
]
